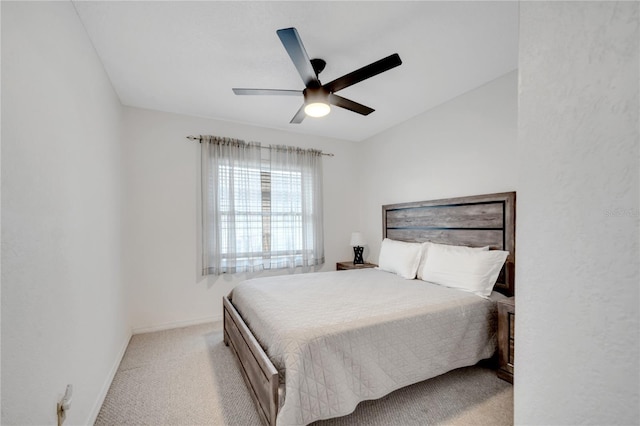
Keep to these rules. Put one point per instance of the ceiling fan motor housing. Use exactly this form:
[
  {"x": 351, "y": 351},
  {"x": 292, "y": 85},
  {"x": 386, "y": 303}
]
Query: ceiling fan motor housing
[{"x": 316, "y": 94}]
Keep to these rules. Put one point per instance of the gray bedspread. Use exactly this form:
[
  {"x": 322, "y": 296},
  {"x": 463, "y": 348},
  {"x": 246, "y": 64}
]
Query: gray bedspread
[{"x": 338, "y": 338}]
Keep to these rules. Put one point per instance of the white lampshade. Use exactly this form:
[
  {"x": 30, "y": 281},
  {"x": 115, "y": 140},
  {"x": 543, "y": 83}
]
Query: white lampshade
[{"x": 357, "y": 239}]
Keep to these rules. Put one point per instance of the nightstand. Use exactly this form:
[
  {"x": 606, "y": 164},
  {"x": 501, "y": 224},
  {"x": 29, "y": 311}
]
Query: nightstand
[
  {"x": 506, "y": 337},
  {"x": 343, "y": 266}
]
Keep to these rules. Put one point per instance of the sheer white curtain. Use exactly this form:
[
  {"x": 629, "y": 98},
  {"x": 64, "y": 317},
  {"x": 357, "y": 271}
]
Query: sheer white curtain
[
  {"x": 231, "y": 205},
  {"x": 297, "y": 234},
  {"x": 260, "y": 212}
]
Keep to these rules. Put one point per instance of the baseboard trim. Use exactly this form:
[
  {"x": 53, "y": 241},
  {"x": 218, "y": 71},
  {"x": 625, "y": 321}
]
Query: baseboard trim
[
  {"x": 176, "y": 324},
  {"x": 93, "y": 415}
]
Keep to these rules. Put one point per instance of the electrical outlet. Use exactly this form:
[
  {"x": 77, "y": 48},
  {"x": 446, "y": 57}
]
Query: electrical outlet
[{"x": 64, "y": 405}]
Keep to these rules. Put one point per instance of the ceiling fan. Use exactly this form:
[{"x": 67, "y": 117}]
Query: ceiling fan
[{"x": 318, "y": 96}]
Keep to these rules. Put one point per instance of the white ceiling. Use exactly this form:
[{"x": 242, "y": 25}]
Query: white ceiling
[{"x": 185, "y": 57}]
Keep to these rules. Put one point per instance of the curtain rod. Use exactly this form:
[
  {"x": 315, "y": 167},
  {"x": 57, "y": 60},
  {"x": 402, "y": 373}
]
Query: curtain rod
[{"x": 198, "y": 138}]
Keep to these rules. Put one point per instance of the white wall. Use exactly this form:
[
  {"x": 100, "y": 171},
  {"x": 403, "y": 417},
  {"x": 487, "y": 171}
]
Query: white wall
[
  {"x": 578, "y": 214},
  {"x": 63, "y": 302},
  {"x": 162, "y": 239},
  {"x": 466, "y": 146}
]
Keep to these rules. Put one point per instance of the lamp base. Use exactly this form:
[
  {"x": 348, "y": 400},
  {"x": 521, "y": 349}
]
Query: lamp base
[{"x": 357, "y": 258}]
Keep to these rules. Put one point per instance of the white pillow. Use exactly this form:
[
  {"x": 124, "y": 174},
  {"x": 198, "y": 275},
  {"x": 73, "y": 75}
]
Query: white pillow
[
  {"x": 474, "y": 271},
  {"x": 425, "y": 250},
  {"x": 400, "y": 257}
]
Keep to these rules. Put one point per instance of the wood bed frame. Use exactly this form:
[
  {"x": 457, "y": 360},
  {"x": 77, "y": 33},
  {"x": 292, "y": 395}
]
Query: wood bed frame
[{"x": 474, "y": 221}]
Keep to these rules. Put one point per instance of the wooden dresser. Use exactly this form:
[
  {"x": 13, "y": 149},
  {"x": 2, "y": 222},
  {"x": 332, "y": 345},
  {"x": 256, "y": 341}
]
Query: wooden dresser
[
  {"x": 343, "y": 266},
  {"x": 506, "y": 336}
]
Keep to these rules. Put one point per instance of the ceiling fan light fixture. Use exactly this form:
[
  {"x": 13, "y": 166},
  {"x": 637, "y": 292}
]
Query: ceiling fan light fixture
[{"x": 317, "y": 109}]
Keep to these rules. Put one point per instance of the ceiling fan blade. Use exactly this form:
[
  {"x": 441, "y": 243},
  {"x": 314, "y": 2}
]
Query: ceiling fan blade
[
  {"x": 297, "y": 119},
  {"x": 349, "y": 104},
  {"x": 294, "y": 47},
  {"x": 267, "y": 92},
  {"x": 363, "y": 73}
]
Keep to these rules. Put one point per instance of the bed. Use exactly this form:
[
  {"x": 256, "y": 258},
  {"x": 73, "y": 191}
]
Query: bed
[{"x": 312, "y": 346}]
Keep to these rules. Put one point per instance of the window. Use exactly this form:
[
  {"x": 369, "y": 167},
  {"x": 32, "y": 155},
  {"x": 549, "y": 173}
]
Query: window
[{"x": 260, "y": 213}]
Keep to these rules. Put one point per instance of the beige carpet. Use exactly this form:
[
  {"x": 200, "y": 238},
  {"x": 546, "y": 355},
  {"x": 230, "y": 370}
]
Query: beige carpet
[{"x": 187, "y": 376}]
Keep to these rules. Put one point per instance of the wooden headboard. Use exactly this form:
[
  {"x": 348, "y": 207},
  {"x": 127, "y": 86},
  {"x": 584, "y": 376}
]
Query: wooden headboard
[{"x": 476, "y": 221}]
